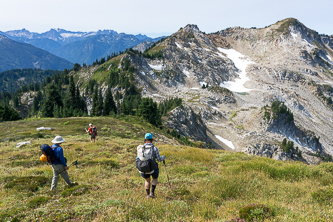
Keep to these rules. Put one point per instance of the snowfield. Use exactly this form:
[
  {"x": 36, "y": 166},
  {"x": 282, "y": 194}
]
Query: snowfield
[
  {"x": 179, "y": 46},
  {"x": 294, "y": 35},
  {"x": 226, "y": 142},
  {"x": 187, "y": 73},
  {"x": 66, "y": 35},
  {"x": 156, "y": 67},
  {"x": 241, "y": 64}
]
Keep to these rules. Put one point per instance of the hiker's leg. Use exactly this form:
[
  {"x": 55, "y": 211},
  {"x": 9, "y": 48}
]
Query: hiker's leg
[
  {"x": 55, "y": 177},
  {"x": 154, "y": 182},
  {"x": 147, "y": 186},
  {"x": 147, "y": 183},
  {"x": 65, "y": 176}
]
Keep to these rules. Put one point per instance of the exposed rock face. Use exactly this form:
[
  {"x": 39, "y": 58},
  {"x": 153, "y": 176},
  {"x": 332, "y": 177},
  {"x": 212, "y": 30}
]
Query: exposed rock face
[
  {"x": 301, "y": 137},
  {"x": 143, "y": 46},
  {"x": 272, "y": 151},
  {"x": 187, "y": 124}
]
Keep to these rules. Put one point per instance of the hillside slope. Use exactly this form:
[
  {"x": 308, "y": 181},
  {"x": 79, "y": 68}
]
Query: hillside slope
[
  {"x": 246, "y": 70},
  {"x": 206, "y": 185},
  {"x": 16, "y": 55}
]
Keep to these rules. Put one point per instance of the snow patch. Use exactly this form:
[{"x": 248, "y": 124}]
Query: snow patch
[
  {"x": 329, "y": 58},
  {"x": 195, "y": 88},
  {"x": 203, "y": 83},
  {"x": 179, "y": 46},
  {"x": 156, "y": 67},
  {"x": 241, "y": 64},
  {"x": 187, "y": 73},
  {"x": 214, "y": 107},
  {"x": 157, "y": 95},
  {"x": 207, "y": 49},
  {"x": 143, "y": 73},
  {"x": 294, "y": 35},
  {"x": 211, "y": 123},
  {"x": 67, "y": 35},
  {"x": 226, "y": 142}
]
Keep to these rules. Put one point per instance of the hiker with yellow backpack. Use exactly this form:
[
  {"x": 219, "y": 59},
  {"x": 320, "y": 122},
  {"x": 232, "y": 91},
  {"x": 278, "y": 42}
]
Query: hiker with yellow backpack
[
  {"x": 54, "y": 155},
  {"x": 146, "y": 164}
]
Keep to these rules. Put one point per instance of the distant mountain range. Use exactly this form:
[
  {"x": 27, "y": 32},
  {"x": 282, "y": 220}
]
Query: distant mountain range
[
  {"x": 78, "y": 47},
  {"x": 17, "y": 55}
]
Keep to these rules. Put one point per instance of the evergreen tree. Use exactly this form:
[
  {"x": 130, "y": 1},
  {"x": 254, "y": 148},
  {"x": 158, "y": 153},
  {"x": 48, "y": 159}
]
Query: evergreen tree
[
  {"x": 149, "y": 111},
  {"x": 16, "y": 102},
  {"x": 109, "y": 105},
  {"x": 52, "y": 98},
  {"x": 70, "y": 98},
  {"x": 8, "y": 114},
  {"x": 56, "y": 111},
  {"x": 99, "y": 107},
  {"x": 36, "y": 88},
  {"x": 93, "y": 111}
]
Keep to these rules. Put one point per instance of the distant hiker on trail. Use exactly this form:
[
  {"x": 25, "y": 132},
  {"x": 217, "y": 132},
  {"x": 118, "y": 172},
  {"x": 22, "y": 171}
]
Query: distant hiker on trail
[
  {"x": 146, "y": 163},
  {"x": 59, "y": 166},
  {"x": 92, "y": 132}
]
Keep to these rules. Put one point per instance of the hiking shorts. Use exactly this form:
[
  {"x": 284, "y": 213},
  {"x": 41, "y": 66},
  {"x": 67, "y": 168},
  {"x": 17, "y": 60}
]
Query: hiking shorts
[{"x": 154, "y": 174}]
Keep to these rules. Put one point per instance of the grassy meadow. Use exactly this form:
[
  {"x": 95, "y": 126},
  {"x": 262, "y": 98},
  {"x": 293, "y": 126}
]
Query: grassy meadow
[{"x": 206, "y": 185}]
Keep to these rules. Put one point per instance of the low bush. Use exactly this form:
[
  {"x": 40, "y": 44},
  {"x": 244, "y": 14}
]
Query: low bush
[
  {"x": 323, "y": 196},
  {"x": 255, "y": 212},
  {"x": 104, "y": 161},
  {"x": 76, "y": 191},
  {"x": 29, "y": 183},
  {"x": 37, "y": 201}
]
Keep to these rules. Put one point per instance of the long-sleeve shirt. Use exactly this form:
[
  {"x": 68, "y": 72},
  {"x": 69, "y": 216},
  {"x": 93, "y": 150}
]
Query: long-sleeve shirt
[{"x": 59, "y": 153}]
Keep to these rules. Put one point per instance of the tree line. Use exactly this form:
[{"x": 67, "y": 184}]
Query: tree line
[{"x": 58, "y": 96}]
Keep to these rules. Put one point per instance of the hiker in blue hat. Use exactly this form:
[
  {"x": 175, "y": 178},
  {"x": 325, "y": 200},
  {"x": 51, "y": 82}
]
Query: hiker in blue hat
[{"x": 147, "y": 165}]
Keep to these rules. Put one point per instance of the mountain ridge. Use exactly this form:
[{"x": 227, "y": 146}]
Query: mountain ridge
[
  {"x": 79, "y": 47},
  {"x": 16, "y": 55}
]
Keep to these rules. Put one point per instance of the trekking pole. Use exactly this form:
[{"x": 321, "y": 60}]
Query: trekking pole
[{"x": 167, "y": 173}]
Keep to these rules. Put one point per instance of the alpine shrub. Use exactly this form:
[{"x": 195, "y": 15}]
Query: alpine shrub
[
  {"x": 76, "y": 191},
  {"x": 255, "y": 212},
  {"x": 237, "y": 220},
  {"x": 323, "y": 196},
  {"x": 36, "y": 202},
  {"x": 29, "y": 183}
]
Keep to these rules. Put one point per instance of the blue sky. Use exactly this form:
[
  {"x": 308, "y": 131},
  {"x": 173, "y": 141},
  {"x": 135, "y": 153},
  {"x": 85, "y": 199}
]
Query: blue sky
[{"x": 160, "y": 17}]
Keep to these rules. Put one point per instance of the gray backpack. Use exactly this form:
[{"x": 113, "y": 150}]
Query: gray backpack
[{"x": 145, "y": 162}]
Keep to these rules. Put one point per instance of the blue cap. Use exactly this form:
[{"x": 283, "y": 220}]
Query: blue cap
[{"x": 148, "y": 136}]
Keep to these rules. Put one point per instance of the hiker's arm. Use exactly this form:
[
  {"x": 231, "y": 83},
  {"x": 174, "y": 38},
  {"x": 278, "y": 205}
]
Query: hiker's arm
[
  {"x": 62, "y": 158},
  {"x": 158, "y": 156}
]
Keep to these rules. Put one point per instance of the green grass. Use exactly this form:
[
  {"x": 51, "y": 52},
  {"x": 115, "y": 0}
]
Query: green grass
[{"x": 206, "y": 185}]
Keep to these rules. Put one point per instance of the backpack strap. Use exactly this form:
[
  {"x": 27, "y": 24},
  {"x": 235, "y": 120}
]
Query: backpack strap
[{"x": 143, "y": 150}]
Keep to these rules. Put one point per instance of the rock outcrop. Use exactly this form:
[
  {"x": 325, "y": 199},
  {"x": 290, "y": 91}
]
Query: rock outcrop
[{"x": 188, "y": 123}]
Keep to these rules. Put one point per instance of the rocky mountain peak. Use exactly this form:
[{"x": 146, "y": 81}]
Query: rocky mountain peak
[
  {"x": 191, "y": 28},
  {"x": 2, "y": 37}
]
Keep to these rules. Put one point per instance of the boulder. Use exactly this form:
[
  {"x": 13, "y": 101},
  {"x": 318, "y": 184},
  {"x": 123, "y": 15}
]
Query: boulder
[
  {"x": 18, "y": 145},
  {"x": 43, "y": 128}
]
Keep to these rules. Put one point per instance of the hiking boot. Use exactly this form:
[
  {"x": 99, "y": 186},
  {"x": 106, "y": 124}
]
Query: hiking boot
[
  {"x": 73, "y": 184},
  {"x": 147, "y": 197},
  {"x": 152, "y": 195}
]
